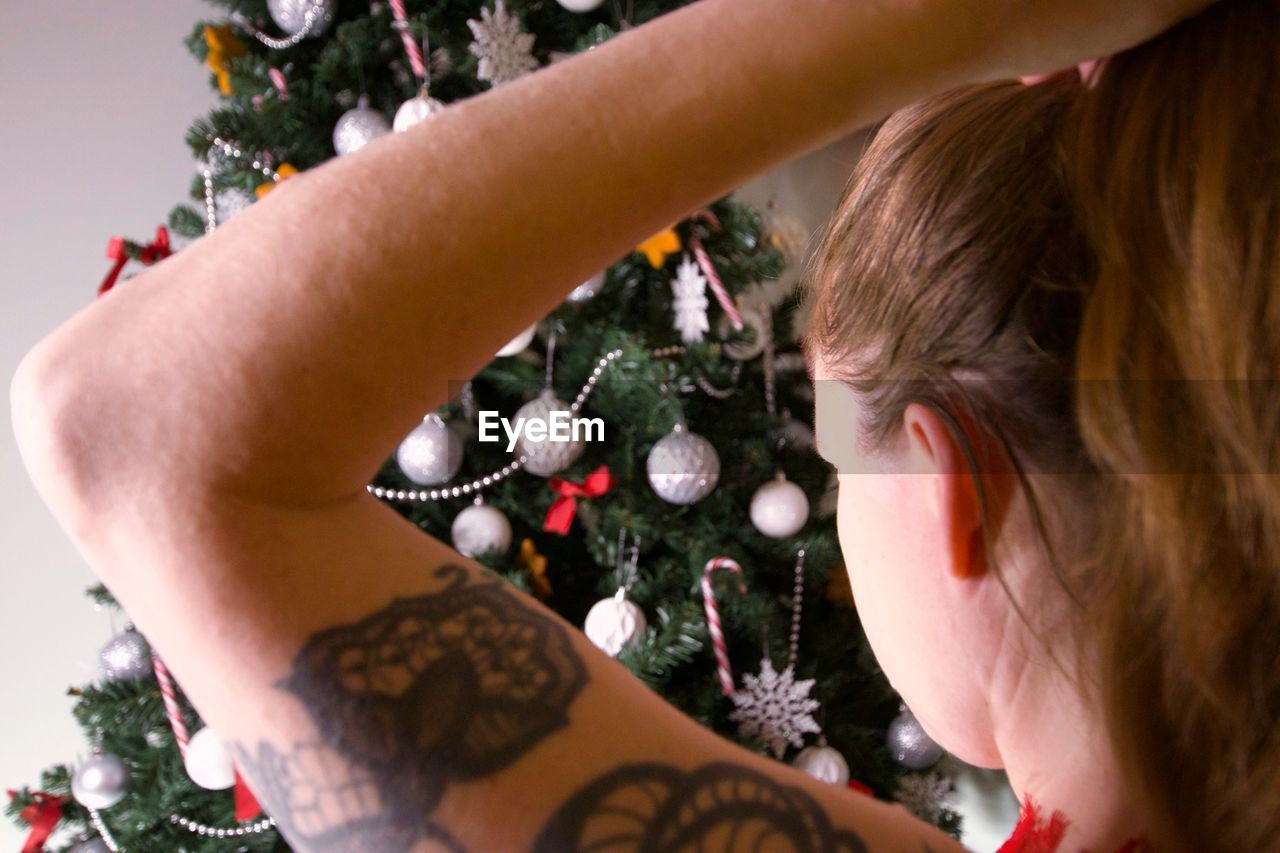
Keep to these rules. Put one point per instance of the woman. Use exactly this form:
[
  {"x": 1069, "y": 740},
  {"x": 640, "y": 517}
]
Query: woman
[{"x": 298, "y": 611}]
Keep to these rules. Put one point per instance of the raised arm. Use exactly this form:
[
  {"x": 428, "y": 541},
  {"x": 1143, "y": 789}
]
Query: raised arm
[{"x": 206, "y": 431}]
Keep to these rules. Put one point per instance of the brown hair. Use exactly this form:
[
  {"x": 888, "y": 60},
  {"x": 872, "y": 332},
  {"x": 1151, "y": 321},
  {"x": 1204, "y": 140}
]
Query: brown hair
[{"x": 1090, "y": 276}]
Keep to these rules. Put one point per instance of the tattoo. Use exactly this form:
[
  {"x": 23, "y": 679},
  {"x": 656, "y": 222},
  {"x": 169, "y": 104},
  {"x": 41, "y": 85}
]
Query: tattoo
[
  {"x": 651, "y": 808},
  {"x": 458, "y": 685},
  {"x": 453, "y": 685}
]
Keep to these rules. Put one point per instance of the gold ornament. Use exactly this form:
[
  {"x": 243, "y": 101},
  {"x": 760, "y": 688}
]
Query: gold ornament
[
  {"x": 536, "y": 565},
  {"x": 223, "y": 45},
  {"x": 657, "y": 247}
]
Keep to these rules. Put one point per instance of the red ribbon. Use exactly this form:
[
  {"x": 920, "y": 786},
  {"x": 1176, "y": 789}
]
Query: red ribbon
[
  {"x": 43, "y": 815},
  {"x": 247, "y": 807},
  {"x": 148, "y": 254},
  {"x": 560, "y": 516}
]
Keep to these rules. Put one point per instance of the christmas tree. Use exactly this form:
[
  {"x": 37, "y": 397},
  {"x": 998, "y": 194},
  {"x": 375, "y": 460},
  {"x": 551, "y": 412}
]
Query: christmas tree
[{"x": 687, "y": 526}]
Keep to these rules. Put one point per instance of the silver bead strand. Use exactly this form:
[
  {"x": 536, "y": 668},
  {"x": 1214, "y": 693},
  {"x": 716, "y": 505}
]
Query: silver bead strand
[
  {"x": 203, "y": 829},
  {"x": 310, "y": 19},
  {"x": 100, "y": 827},
  {"x": 797, "y": 597},
  {"x": 210, "y": 205}
]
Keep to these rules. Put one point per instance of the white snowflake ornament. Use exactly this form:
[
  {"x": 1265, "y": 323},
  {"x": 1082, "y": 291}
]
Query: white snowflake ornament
[
  {"x": 505, "y": 50},
  {"x": 774, "y": 708},
  {"x": 690, "y": 290},
  {"x": 925, "y": 795}
]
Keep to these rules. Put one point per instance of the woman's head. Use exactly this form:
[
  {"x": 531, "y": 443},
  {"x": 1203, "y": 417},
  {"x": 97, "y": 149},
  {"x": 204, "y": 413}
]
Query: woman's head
[{"x": 1008, "y": 271}]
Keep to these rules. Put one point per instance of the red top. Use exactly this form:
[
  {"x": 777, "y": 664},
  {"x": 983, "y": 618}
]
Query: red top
[{"x": 1031, "y": 835}]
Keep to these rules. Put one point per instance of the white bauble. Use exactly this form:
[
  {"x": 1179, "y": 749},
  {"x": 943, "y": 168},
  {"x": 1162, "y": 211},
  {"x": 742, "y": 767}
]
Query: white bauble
[
  {"x": 824, "y": 763},
  {"x": 779, "y": 508},
  {"x": 480, "y": 529},
  {"x": 291, "y": 15},
  {"x": 683, "y": 467},
  {"x": 614, "y": 623},
  {"x": 546, "y": 457},
  {"x": 209, "y": 762},
  {"x": 588, "y": 289},
  {"x": 518, "y": 343},
  {"x": 431, "y": 454},
  {"x": 100, "y": 782},
  {"x": 359, "y": 126},
  {"x": 580, "y": 5},
  {"x": 414, "y": 110}
]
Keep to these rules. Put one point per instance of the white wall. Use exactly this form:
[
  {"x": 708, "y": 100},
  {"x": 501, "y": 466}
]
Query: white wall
[{"x": 97, "y": 99}]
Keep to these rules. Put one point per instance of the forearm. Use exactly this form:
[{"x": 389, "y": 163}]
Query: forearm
[{"x": 312, "y": 332}]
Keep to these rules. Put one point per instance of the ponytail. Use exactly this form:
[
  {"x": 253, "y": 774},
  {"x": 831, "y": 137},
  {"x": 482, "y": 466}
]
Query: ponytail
[{"x": 1174, "y": 162}]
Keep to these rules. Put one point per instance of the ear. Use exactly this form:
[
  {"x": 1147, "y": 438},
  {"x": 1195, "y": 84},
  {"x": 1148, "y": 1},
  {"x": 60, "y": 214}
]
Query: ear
[{"x": 934, "y": 452}]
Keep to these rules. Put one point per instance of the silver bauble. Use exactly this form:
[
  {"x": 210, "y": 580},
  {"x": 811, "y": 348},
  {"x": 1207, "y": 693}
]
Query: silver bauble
[
  {"x": 824, "y": 763},
  {"x": 580, "y": 5},
  {"x": 796, "y": 433},
  {"x": 100, "y": 782},
  {"x": 587, "y": 289},
  {"x": 291, "y": 15},
  {"x": 614, "y": 623},
  {"x": 125, "y": 656},
  {"x": 480, "y": 529},
  {"x": 90, "y": 845},
  {"x": 683, "y": 467},
  {"x": 230, "y": 202},
  {"x": 779, "y": 508},
  {"x": 431, "y": 454},
  {"x": 415, "y": 110},
  {"x": 546, "y": 457},
  {"x": 357, "y": 127},
  {"x": 910, "y": 745}
]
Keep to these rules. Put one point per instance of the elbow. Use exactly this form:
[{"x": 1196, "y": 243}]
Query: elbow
[{"x": 49, "y": 426}]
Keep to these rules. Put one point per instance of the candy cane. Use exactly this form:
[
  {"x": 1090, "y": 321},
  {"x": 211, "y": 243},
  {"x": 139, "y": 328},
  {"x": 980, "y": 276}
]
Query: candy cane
[
  {"x": 170, "y": 696},
  {"x": 713, "y": 618},
  {"x": 717, "y": 287},
  {"x": 410, "y": 46}
]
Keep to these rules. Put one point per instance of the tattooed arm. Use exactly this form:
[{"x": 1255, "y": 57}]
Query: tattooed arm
[
  {"x": 441, "y": 709},
  {"x": 206, "y": 431}
]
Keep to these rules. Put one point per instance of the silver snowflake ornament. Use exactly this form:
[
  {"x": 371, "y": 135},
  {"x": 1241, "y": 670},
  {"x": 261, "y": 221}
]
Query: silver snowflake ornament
[
  {"x": 774, "y": 708},
  {"x": 925, "y": 795},
  {"x": 689, "y": 288},
  {"x": 505, "y": 50}
]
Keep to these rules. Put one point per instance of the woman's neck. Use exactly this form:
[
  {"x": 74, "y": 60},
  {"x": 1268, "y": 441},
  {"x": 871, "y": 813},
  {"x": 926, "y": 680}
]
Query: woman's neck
[{"x": 1058, "y": 753}]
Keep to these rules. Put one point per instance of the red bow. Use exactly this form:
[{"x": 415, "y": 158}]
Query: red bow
[
  {"x": 43, "y": 815},
  {"x": 560, "y": 516},
  {"x": 247, "y": 807},
  {"x": 117, "y": 250}
]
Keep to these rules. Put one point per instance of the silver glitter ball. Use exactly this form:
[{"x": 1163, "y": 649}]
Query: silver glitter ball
[
  {"x": 100, "y": 782},
  {"x": 230, "y": 202},
  {"x": 357, "y": 127},
  {"x": 291, "y": 15},
  {"x": 431, "y": 454},
  {"x": 910, "y": 745},
  {"x": 125, "y": 656},
  {"x": 549, "y": 456},
  {"x": 683, "y": 467},
  {"x": 90, "y": 845}
]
